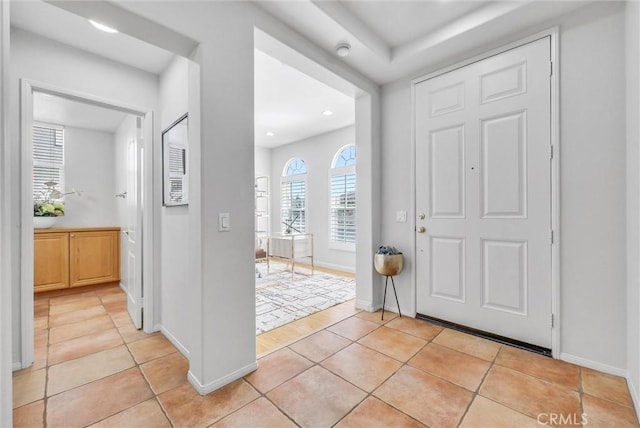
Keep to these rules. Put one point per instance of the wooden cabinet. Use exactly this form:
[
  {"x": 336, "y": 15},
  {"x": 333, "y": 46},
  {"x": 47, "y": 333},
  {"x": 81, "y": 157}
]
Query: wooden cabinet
[
  {"x": 75, "y": 257},
  {"x": 51, "y": 256}
]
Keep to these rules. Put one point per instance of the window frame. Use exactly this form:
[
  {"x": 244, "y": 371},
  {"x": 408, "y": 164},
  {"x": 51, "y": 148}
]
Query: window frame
[
  {"x": 341, "y": 171},
  {"x": 284, "y": 178}
]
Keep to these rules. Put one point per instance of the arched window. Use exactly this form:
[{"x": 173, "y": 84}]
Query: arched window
[
  {"x": 342, "y": 194},
  {"x": 293, "y": 197}
]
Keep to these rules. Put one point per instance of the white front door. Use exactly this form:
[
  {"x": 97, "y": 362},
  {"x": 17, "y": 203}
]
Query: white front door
[
  {"x": 133, "y": 228},
  {"x": 483, "y": 195}
]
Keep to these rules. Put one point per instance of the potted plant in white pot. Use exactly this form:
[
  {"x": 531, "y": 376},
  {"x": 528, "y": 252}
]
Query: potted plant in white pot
[
  {"x": 388, "y": 261},
  {"x": 47, "y": 206}
]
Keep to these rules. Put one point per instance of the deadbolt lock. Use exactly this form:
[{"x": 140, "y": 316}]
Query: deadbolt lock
[
  {"x": 422, "y": 216},
  {"x": 422, "y": 229}
]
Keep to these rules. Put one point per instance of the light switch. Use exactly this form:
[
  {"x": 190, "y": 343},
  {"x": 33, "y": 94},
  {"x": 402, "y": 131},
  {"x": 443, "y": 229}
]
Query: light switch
[
  {"x": 224, "y": 224},
  {"x": 401, "y": 216}
]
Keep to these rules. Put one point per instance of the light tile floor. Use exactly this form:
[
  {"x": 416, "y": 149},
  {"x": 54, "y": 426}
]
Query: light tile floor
[{"x": 350, "y": 369}]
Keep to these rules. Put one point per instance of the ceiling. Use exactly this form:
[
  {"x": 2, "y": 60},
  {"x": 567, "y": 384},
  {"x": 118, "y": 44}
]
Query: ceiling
[
  {"x": 389, "y": 40},
  {"x": 63, "y": 111},
  {"x": 57, "y": 24},
  {"x": 290, "y": 104},
  {"x": 399, "y": 39}
]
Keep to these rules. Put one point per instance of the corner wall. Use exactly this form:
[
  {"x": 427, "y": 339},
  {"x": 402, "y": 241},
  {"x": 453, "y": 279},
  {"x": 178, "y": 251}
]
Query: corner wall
[
  {"x": 175, "y": 301},
  {"x": 592, "y": 147},
  {"x": 633, "y": 189},
  {"x": 90, "y": 168}
]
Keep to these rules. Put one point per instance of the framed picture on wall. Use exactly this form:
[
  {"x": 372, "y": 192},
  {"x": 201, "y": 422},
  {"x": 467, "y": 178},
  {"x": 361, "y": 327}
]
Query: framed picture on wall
[{"x": 175, "y": 171}]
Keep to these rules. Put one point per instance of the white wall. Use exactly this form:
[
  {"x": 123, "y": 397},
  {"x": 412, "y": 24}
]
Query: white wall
[
  {"x": 592, "y": 146},
  {"x": 226, "y": 302},
  {"x": 42, "y": 60},
  {"x": 89, "y": 167},
  {"x": 176, "y": 324},
  {"x": 317, "y": 153},
  {"x": 262, "y": 161},
  {"x": 633, "y": 189}
]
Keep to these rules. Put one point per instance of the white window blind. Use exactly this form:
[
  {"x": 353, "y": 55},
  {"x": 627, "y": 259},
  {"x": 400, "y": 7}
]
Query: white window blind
[
  {"x": 293, "y": 206},
  {"x": 343, "y": 208},
  {"x": 177, "y": 173},
  {"x": 48, "y": 158}
]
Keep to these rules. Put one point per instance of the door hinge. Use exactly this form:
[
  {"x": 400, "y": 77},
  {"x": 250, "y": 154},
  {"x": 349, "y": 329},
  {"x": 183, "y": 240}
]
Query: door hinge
[
  {"x": 552, "y": 321},
  {"x": 550, "y": 68},
  {"x": 551, "y": 152},
  {"x": 551, "y": 235}
]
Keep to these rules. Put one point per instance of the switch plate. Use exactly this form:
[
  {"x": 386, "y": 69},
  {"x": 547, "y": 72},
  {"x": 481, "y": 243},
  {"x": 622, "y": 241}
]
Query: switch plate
[
  {"x": 401, "y": 216},
  {"x": 224, "y": 223}
]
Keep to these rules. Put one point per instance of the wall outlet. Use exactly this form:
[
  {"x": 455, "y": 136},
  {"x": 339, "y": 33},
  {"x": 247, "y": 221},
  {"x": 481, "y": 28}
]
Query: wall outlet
[{"x": 401, "y": 216}]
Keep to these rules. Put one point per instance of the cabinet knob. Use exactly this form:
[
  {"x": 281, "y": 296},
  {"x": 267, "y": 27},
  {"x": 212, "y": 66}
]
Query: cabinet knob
[{"x": 73, "y": 236}]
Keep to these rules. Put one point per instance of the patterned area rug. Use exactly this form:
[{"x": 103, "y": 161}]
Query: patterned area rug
[{"x": 281, "y": 299}]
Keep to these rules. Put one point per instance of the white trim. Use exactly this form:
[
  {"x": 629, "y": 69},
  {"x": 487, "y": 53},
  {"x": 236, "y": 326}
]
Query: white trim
[
  {"x": 27, "y": 87},
  {"x": 583, "y": 362},
  {"x": 6, "y": 242},
  {"x": 349, "y": 269},
  {"x": 367, "y": 306},
  {"x": 634, "y": 394},
  {"x": 172, "y": 338},
  {"x": 553, "y": 34},
  {"x": 219, "y": 383},
  {"x": 16, "y": 366}
]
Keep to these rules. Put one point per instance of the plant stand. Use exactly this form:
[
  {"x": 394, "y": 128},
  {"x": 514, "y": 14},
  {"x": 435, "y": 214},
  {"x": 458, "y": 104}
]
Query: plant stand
[
  {"x": 384, "y": 299},
  {"x": 389, "y": 265}
]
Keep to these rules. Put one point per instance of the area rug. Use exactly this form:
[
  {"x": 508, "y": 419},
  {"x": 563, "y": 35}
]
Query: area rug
[{"x": 281, "y": 299}]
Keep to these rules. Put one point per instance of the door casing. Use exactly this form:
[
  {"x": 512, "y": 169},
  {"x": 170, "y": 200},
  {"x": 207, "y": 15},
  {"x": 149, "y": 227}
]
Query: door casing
[
  {"x": 27, "y": 87},
  {"x": 555, "y": 171}
]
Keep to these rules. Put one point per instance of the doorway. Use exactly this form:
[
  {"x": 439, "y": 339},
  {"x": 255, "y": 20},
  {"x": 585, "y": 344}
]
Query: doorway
[
  {"x": 484, "y": 188},
  {"x": 136, "y": 181}
]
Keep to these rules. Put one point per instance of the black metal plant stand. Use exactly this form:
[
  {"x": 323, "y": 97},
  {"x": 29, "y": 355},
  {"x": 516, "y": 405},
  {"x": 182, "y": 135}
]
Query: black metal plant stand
[{"x": 384, "y": 299}]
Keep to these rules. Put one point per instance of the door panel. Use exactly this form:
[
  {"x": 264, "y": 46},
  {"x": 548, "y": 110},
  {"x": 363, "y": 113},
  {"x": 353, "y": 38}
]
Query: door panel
[
  {"x": 133, "y": 228},
  {"x": 483, "y": 181},
  {"x": 447, "y": 173},
  {"x": 503, "y": 161}
]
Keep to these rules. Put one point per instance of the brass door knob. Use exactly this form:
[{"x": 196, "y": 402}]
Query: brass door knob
[{"x": 422, "y": 229}]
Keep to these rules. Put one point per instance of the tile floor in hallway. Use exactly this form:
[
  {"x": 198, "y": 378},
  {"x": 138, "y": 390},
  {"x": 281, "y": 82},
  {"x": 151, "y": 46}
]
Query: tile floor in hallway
[{"x": 93, "y": 368}]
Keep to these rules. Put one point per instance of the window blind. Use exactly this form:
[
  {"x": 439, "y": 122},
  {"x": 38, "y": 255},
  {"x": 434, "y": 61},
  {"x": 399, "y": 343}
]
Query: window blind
[
  {"x": 177, "y": 173},
  {"x": 48, "y": 158},
  {"x": 293, "y": 206},
  {"x": 343, "y": 208}
]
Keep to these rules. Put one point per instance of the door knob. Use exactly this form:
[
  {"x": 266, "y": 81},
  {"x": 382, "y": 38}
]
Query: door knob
[{"x": 422, "y": 229}]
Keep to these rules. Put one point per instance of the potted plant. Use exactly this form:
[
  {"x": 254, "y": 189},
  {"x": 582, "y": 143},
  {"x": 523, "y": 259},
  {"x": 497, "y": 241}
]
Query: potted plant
[
  {"x": 47, "y": 206},
  {"x": 388, "y": 260}
]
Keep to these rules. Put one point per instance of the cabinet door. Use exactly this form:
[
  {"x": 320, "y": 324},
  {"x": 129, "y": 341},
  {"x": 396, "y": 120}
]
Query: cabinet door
[
  {"x": 51, "y": 261},
  {"x": 95, "y": 257}
]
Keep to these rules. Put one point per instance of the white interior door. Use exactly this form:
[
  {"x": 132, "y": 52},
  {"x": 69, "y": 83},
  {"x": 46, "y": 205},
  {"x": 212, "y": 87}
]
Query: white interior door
[
  {"x": 483, "y": 195},
  {"x": 133, "y": 229}
]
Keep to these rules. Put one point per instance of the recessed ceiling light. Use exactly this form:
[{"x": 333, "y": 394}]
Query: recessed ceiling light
[
  {"x": 327, "y": 112},
  {"x": 270, "y": 134},
  {"x": 103, "y": 27}
]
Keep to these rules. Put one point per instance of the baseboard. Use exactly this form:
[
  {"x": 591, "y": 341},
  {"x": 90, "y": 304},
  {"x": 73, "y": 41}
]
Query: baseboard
[
  {"x": 367, "y": 306},
  {"x": 634, "y": 395},
  {"x": 183, "y": 350},
  {"x": 601, "y": 367},
  {"x": 219, "y": 383},
  {"x": 335, "y": 267}
]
